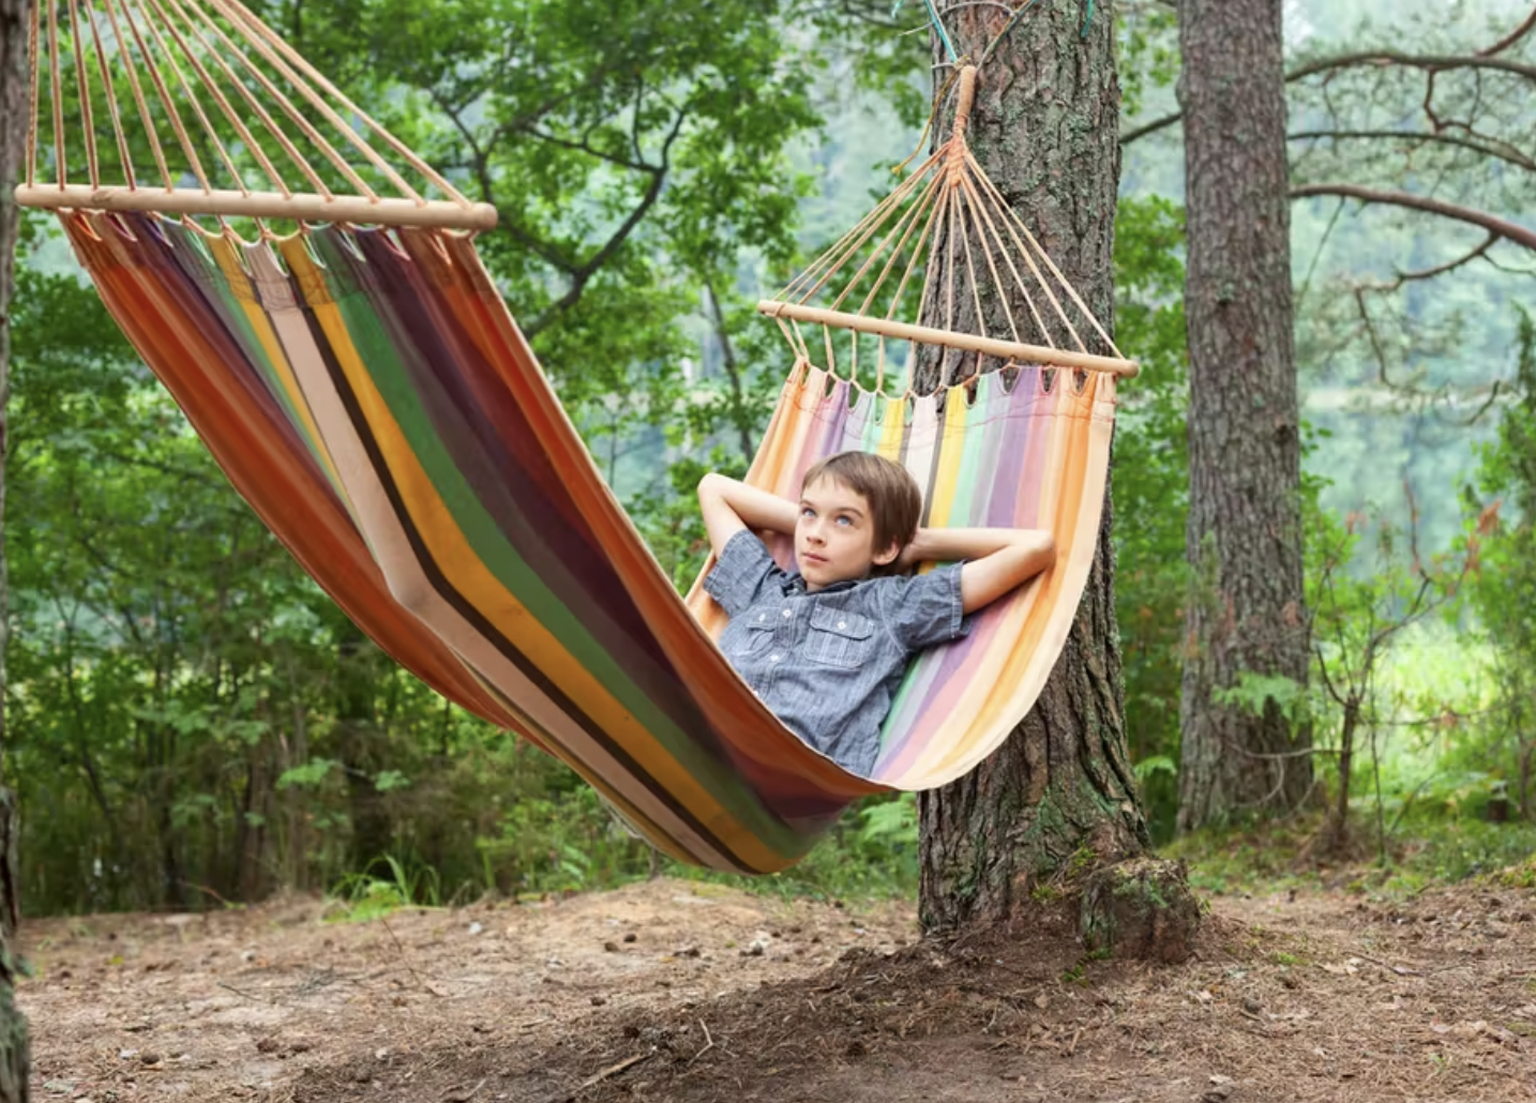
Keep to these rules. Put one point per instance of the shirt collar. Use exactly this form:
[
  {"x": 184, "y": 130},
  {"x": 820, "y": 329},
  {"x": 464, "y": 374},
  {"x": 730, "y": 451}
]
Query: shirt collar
[{"x": 795, "y": 584}]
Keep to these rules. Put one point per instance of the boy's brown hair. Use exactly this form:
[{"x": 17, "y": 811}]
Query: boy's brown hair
[{"x": 895, "y": 500}]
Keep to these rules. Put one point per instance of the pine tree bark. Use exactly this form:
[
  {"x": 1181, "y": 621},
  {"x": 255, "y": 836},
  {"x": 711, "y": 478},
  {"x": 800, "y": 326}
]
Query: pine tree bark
[
  {"x": 1058, "y": 798},
  {"x": 15, "y": 1052},
  {"x": 1246, "y": 610}
]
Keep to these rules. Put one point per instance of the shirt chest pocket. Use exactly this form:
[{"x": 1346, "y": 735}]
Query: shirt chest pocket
[{"x": 840, "y": 638}]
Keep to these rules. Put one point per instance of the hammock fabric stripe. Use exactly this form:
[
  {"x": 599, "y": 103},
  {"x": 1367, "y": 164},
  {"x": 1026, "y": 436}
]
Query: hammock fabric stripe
[{"x": 370, "y": 396}]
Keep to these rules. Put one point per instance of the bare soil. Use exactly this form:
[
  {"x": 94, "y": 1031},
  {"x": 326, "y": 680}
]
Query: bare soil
[{"x": 678, "y": 991}]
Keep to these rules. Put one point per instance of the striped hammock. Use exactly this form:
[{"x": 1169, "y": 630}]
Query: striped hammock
[{"x": 369, "y": 394}]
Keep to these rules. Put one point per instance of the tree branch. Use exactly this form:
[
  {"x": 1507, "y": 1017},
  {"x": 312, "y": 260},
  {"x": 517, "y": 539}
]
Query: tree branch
[
  {"x": 1442, "y": 269},
  {"x": 873, "y": 13},
  {"x": 1433, "y": 63},
  {"x": 1514, "y": 36},
  {"x": 1502, "y": 150},
  {"x": 1437, "y": 63},
  {"x": 1150, "y": 128},
  {"x": 1510, "y": 231},
  {"x": 589, "y": 150},
  {"x": 580, "y": 277}
]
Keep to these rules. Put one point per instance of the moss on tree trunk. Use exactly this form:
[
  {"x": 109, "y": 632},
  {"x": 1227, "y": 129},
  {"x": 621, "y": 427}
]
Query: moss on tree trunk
[
  {"x": 1058, "y": 799},
  {"x": 1141, "y": 908}
]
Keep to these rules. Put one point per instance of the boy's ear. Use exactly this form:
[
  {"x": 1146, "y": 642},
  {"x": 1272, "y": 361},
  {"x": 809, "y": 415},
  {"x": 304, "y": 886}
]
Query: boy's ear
[{"x": 888, "y": 556}]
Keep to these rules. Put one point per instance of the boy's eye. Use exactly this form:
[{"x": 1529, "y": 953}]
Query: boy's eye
[
  {"x": 807, "y": 511},
  {"x": 845, "y": 521}
]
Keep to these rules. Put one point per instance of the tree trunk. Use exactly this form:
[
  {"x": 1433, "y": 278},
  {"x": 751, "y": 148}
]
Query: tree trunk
[
  {"x": 15, "y": 1052},
  {"x": 1338, "y": 841},
  {"x": 1246, "y": 609},
  {"x": 1058, "y": 798}
]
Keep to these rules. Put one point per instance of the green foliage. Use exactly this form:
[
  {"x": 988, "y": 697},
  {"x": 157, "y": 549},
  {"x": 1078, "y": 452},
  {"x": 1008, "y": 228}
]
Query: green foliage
[
  {"x": 1441, "y": 849},
  {"x": 1255, "y": 693},
  {"x": 871, "y": 852},
  {"x": 563, "y": 841},
  {"x": 1148, "y": 46},
  {"x": 1155, "y": 766},
  {"x": 310, "y": 773},
  {"x": 368, "y": 895},
  {"x": 1501, "y": 540},
  {"x": 1360, "y": 617},
  {"x": 888, "y": 825},
  {"x": 1150, "y": 488}
]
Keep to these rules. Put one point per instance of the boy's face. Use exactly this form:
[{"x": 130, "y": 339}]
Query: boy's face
[{"x": 835, "y": 536}]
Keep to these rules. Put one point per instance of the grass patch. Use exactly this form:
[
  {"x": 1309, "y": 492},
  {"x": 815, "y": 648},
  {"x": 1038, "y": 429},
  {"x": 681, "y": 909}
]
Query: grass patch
[
  {"x": 1252, "y": 859},
  {"x": 1428, "y": 851}
]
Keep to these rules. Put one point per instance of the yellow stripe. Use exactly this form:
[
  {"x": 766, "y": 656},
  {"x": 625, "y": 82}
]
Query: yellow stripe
[
  {"x": 893, "y": 428},
  {"x": 951, "y": 453}
]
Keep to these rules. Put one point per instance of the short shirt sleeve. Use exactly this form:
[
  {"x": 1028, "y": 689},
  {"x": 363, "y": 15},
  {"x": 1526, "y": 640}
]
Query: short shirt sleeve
[
  {"x": 926, "y": 609},
  {"x": 741, "y": 574}
]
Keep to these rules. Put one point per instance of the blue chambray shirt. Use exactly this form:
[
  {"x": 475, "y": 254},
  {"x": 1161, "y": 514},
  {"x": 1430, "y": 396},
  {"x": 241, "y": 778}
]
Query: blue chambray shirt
[{"x": 828, "y": 663}]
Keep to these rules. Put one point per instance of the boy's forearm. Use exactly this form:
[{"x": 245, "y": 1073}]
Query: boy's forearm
[
  {"x": 724, "y": 500},
  {"x": 760, "y": 509},
  {"x": 997, "y": 560},
  {"x": 946, "y": 545}
]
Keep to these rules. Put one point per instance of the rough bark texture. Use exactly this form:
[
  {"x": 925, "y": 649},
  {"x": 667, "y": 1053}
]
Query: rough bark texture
[
  {"x": 15, "y": 1055},
  {"x": 1022, "y": 825},
  {"x": 1246, "y": 608}
]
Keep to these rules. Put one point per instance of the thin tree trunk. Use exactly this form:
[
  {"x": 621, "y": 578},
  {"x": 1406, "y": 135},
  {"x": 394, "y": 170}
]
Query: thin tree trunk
[
  {"x": 1044, "y": 127},
  {"x": 732, "y": 371},
  {"x": 357, "y": 729},
  {"x": 1339, "y": 840},
  {"x": 15, "y": 1051},
  {"x": 1246, "y": 611},
  {"x": 298, "y": 843}
]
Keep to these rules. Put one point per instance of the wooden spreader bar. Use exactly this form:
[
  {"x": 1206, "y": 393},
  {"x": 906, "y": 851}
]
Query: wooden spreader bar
[
  {"x": 1007, "y": 350},
  {"x": 301, "y": 207}
]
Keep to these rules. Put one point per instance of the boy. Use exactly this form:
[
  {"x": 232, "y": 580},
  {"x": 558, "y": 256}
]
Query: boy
[{"x": 827, "y": 647}]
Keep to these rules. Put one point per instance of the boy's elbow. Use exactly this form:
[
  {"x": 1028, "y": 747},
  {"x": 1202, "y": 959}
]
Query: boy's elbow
[
  {"x": 709, "y": 485},
  {"x": 1039, "y": 554}
]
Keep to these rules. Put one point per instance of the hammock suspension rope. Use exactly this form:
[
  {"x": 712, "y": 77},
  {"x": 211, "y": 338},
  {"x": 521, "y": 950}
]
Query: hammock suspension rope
[{"x": 220, "y": 48}]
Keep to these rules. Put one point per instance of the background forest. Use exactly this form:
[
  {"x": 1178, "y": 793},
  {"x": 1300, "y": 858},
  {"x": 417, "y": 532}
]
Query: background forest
[{"x": 192, "y": 722}]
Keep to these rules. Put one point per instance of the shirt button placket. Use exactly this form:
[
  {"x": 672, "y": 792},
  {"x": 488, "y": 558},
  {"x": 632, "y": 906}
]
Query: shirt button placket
[
  {"x": 781, "y": 642},
  {"x": 784, "y": 637}
]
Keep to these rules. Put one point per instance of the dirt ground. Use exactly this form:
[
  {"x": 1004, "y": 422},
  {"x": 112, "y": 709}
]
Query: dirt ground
[{"x": 677, "y": 991}]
